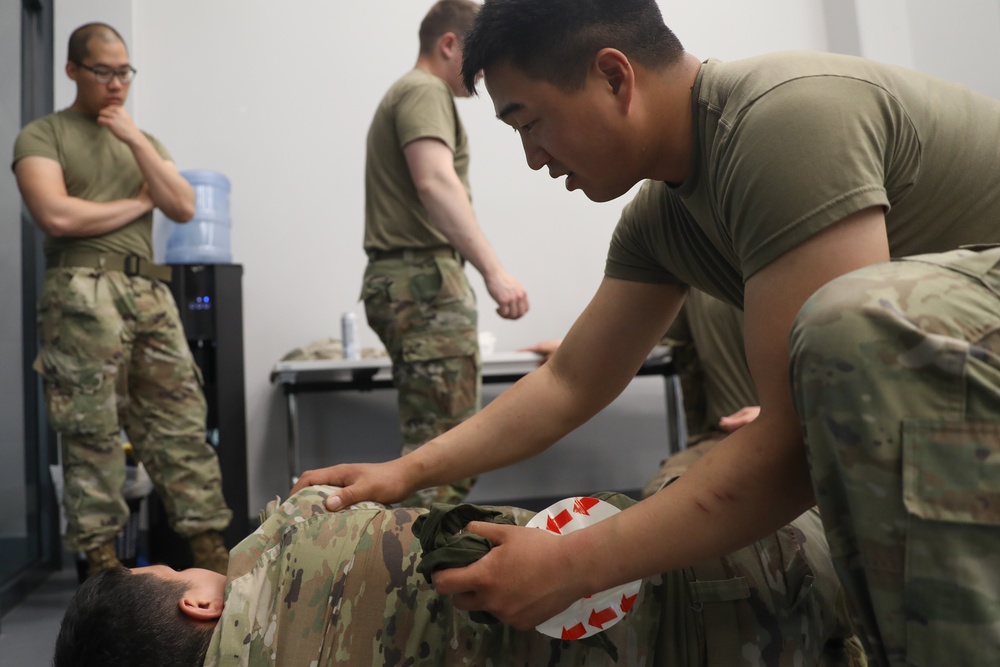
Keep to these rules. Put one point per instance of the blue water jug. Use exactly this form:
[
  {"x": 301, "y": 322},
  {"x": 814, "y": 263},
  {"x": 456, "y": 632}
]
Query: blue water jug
[{"x": 205, "y": 239}]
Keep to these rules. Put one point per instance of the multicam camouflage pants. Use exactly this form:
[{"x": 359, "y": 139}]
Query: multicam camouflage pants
[
  {"x": 113, "y": 356},
  {"x": 424, "y": 311},
  {"x": 896, "y": 376}
]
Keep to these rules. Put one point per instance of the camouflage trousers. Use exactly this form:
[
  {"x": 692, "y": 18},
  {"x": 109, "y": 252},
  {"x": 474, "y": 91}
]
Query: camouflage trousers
[
  {"x": 113, "y": 357},
  {"x": 424, "y": 311},
  {"x": 896, "y": 377}
]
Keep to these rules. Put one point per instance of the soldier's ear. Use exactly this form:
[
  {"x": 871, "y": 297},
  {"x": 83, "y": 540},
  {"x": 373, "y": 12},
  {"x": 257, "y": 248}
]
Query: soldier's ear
[{"x": 201, "y": 608}]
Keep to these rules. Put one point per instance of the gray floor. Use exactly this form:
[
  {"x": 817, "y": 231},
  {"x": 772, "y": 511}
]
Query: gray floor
[{"x": 28, "y": 631}]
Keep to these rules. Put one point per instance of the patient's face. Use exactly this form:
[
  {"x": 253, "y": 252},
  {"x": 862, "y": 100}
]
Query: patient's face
[{"x": 204, "y": 581}]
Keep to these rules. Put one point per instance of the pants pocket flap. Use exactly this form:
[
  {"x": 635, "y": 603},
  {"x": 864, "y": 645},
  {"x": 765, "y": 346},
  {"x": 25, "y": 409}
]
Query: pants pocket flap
[
  {"x": 440, "y": 344},
  {"x": 951, "y": 471}
]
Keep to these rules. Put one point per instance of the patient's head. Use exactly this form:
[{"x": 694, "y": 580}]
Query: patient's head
[{"x": 146, "y": 616}]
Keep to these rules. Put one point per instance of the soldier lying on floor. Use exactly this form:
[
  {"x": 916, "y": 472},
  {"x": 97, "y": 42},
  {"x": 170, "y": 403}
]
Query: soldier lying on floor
[{"x": 317, "y": 588}]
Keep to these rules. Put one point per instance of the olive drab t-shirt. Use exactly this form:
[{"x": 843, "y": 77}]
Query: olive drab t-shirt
[
  {"x": 787, "y": 144},
  {"x": 417, "y": 106},
  {"x": 98, "y": 167}
]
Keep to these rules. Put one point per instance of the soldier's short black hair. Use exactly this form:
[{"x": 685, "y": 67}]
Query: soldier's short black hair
[
  {"x": 554, "y": 40},
  {"x": 120, "y": 619}
]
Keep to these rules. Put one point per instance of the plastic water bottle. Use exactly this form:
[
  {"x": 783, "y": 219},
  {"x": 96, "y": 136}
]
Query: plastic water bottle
[
  {"x": 205, "y": 239},
  {"x": 349, "y": 332}
]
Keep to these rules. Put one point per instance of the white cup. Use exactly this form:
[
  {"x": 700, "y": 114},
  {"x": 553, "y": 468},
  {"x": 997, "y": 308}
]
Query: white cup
[{"x": 487, "y": 343}]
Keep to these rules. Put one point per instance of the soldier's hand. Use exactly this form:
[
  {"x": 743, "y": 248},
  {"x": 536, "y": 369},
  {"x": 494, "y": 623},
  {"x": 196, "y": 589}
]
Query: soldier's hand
[
  {"x": 739, "y": 419},
  {"x": 510, "y": 295},
  {"x": 545, "y": 348},
  {"x": 526, "y": 578},
  {"x": 116, "y": 118},
  {"x": 145, "y": 197},
  {"x": 378, "y": 482}
]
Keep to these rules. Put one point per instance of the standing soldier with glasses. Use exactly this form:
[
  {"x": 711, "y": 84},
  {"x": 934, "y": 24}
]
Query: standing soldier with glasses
[{"x": 113, "y": 353}]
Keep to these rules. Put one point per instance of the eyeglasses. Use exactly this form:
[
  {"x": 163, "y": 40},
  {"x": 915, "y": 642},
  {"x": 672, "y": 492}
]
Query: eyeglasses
[{"x": 105, "y": 74}]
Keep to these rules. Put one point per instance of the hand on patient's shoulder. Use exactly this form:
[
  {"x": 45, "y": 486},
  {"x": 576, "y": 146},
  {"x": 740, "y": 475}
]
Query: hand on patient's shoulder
[
  {"x": 357, "y": 482},
  {"x": 739, "y": 419},
  {"x": 309, "y": 501}
]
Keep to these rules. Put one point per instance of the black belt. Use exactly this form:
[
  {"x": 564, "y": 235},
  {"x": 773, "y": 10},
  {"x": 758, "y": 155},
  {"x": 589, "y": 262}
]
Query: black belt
[
  {"x": 414, "y": 253},
  {"x": 130, "y": 265}
]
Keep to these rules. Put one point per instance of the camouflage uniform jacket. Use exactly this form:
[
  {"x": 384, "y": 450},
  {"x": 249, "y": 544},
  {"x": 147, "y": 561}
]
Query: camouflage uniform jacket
[{"x": 312, "y": 588}]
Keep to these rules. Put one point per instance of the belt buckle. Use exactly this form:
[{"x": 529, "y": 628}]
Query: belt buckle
[{"x": 131, "y": 266}]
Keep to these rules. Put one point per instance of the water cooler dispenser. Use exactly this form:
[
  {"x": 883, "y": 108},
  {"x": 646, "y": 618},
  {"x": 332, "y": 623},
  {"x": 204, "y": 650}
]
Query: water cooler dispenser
[
  {"x": 205, "y": 238},
  {"x": 209, "y": 298},
  {"x": 208, "y": 292}
]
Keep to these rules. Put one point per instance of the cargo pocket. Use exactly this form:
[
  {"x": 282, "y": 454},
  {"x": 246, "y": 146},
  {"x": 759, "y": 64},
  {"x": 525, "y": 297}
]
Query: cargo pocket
[
  {"x": 720, "y": 602},
  {"x": 951, "y": 490},
  {"x": 80, "y": 397},
  {"x": 951, "y": 471},
  {"x": 442, "y": 367},
  {"x": 440, "y": 344}
]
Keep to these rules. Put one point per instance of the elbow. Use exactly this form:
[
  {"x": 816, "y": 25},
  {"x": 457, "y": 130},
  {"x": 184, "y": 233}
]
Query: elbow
[
  {"x": 181, "y": 205},
  {"x": 54, "y": 226},
  {"x": 431, "y": 187},
  {"x": 425, "y": 190},
  {"x": 185, "y": 213},
  {"x": 180, "y": 212}
]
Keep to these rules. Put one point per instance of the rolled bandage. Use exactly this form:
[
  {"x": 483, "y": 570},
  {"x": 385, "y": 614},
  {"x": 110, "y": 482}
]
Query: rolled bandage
[{"x": 590, "y": 615}]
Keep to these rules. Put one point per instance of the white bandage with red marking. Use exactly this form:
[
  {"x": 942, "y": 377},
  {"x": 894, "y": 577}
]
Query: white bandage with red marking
[{"x": 594, "y": 613}]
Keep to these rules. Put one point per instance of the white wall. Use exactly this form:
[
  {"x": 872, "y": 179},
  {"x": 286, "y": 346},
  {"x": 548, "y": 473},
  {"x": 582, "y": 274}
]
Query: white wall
[
  {"x": 278, "y": 96},
  {"x": 958, "y": 40}
]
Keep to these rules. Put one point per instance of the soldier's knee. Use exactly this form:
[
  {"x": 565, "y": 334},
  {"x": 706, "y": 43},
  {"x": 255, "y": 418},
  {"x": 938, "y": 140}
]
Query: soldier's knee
[{"x": 838, "y": 319}]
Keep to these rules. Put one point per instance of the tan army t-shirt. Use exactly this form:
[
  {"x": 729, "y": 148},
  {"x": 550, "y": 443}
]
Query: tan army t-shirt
[
  {"x": 98, "y": 167},
  {"x": 787, "y": 144},
  {"x": 417, "y": 106}
]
